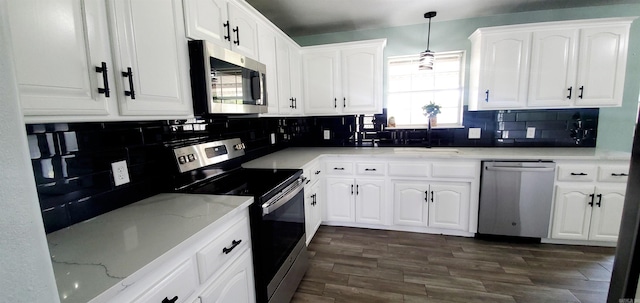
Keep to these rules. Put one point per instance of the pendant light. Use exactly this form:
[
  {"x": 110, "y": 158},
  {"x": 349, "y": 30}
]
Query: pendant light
[{"x": 427, "y": 57}]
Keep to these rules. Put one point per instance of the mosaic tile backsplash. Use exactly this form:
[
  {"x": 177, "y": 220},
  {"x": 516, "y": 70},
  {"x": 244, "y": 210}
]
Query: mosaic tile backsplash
[{"x": 72, "y": 161}]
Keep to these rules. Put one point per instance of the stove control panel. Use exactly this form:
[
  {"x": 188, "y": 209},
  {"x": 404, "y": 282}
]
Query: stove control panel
[{"x": 209, "y": 153}]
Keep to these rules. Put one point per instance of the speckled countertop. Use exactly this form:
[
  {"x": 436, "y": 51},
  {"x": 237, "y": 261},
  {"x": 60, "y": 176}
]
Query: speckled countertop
[
  {"x": 299, "y": 156},
  {"x": 97, "y": 255}
]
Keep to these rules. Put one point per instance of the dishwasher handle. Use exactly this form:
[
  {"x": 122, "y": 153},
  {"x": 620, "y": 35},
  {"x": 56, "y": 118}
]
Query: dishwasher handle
[{"x": 519, "y": 169}]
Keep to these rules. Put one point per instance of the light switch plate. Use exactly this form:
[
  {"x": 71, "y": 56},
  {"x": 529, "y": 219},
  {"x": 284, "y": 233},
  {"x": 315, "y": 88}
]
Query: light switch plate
[
  {"x": 327, "y": 134},
  {"x": 475, "y": 132},
  {"x": 531, "y": 132},
  {"x": 273, "y": 138},
  {"x": 120, "y": 172}
]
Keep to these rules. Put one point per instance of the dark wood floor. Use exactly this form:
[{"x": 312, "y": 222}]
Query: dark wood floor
[{"x": 363, "y": 265}]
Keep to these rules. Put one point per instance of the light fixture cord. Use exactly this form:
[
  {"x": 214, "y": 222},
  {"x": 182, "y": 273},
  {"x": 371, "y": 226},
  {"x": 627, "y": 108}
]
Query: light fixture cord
[{"x": 429, "y": 34}]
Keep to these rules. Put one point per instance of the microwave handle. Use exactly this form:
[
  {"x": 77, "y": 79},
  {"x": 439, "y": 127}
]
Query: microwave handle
[{"x": 255, "y": 86}]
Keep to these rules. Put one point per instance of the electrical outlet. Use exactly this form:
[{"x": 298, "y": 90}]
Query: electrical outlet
[
  {"x": 475, "y": 132},
  {"x": 120, "y": 172},
  {"x": 327, "y": 134},
  {"x": 531, "y": 132},
  {"x": 273, "y": 138}
]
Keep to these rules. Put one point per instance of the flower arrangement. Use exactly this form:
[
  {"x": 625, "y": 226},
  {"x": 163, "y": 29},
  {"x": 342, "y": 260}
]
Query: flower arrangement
[{"x": 431, "y": 110}]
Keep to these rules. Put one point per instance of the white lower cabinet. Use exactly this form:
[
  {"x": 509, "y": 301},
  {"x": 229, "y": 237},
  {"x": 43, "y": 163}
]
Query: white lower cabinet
[
  {"x": 312, "y": 210},
  {"x": 355, "y": 200},
  {"x": 431, "y": 204},
  {"x": 585, "y": 212},
  {"x": 234, "y": 285}
]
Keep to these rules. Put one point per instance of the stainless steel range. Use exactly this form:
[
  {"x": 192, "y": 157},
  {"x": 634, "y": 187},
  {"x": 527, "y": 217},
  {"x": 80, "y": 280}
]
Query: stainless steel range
[{"x": 277, "y": 215}]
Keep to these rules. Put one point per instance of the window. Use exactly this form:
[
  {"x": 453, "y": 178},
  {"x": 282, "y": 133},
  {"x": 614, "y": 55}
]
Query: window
[{"x": 409, "y": 89}]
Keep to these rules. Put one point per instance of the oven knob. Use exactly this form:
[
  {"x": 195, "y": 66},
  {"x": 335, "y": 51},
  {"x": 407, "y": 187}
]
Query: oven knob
[
  {"x": 182, "y": 160},
  {"x": 191, "y": 157},
  {"x": 239, "y": 146}
]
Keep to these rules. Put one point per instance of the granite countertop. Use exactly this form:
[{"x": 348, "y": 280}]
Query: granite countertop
[
  {"x": 299, "y": 156},
  {"x": 95, "y": 257}
]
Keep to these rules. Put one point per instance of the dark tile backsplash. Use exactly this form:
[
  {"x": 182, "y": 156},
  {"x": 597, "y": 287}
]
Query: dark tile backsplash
[{"x": 72, "y": 161}]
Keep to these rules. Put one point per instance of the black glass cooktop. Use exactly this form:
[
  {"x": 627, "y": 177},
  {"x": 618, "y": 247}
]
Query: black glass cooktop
[{"x": 246, "y": 182}]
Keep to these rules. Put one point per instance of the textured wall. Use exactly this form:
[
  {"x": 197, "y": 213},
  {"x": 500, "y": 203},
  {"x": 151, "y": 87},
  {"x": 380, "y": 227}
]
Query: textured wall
[{"x": 27, "y": 275}]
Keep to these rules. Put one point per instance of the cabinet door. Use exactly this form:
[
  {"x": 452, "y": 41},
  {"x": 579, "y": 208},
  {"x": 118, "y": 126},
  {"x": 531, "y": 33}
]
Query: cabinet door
[
  {"x": 285, "y": 99},
  {"x": 370, "y": 201},
  {"x": 316, "y": 217},
  {"x": 234, "y": 285},
  {"x": 410, "y": 203},
  {"x": 572, "y": 213},
  {"x": 312, "y": 210},
  {"x": 267, "y": 44},
  {"x": 505, "y": 70},
  {"x": 295, "y": 72},
  {"x": 449, "y": 205},
  {"x": 56, "y": 46},
  {"x": 244, "y": 31},
  {"x": 553, "y": 68},
  {"x": 361, "y": 80},
  {"x": 340, "y": 204},
  {"x": 150, "y": 41},
  {"x": 207, "y": 20},
  {"x": 607, "y": 213},
  {"x": 602, "y": 65},
  {"x": 321, "y": 82}
]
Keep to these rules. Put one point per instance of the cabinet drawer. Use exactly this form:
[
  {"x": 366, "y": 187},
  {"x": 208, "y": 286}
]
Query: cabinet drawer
[
  {"x": 613, "y": 173},
  {"x": 454, "y": 170},
  {"x": 223, "y": 249},
  {"x": 370, "y": 169},
  {"x": 409, "y": 169},
  {"x": 312, "y": 172},
  {"x": 576, "y": 172},
  {"x": 181, "y": 283},
  {"x": 339, "y": 168}
]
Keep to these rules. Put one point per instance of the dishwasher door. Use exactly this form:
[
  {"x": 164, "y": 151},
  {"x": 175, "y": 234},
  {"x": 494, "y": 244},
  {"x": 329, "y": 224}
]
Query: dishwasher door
[{"x": 515, "y": 198}]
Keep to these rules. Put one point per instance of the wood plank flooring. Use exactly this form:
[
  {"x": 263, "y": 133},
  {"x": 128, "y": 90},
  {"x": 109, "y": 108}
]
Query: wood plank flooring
[{"x": 364, "y": 265}]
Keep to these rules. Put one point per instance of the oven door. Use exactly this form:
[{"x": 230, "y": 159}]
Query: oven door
[{"x": 277, "y": 232}]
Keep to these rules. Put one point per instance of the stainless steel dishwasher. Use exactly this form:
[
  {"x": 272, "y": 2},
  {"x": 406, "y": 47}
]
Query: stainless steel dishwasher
[{"x": 515, "y": 198}]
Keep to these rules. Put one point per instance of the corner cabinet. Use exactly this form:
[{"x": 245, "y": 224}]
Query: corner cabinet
[
  {"x": 101, "y": 61},
  {"x": 343, "y": 78},
  {"x": 588, "y": 201},
  {"x": 549, "y": 65}
]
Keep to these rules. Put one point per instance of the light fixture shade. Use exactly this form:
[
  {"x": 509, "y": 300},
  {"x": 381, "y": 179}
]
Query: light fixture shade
[{"x": 426, "y": 60}]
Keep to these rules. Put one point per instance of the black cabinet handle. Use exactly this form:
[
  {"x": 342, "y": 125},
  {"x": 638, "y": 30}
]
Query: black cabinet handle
[
  {"x": 105, "y": 79},
  {"x": 335, "y": 102},
  {"x": 295, "y": 102},
  {"x": 352, "y": 189},
  {"x": 344, "y": 102},
  {"x": 620, "y": 175},
  {"x": 431, "y": 196},
  {"x": 228, "y": 36},
  {"x": 308, "y": 180},
  {"x": 570, "y": 89},
  {"x": 578, "y": 174},
  {"x": 486, "y": 98},
  {"x": 357, "y": 190},
  {"x": 317, "y": 172},
  {"x": 370, "y": 169},
  {"x": 131, "y": 92},
  {"x": 599, "y": 200},
  {"x": 581, "y": 91},
  {"x": 237, "y": 31},
  {"x": 167, "y": 300},
  {"x": 338, "y": 168},
  {"x": 291, "y": 99},
  {"x": 426, "y": 196},
  {"x": 234, "y": 243},
  {"x": 592, "y": 197}
]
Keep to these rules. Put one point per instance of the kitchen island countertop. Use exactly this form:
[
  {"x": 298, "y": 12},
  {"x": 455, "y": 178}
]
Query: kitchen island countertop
[
  {"x": 92, "y": 259},
  {"x": 297, "y": 157}
]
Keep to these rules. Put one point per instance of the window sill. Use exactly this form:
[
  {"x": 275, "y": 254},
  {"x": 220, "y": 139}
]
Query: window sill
[{"x": 420, "y": 126}]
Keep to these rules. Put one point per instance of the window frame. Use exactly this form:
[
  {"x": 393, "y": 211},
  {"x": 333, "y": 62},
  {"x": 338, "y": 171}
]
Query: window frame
[{"x": 462, "y": 55}]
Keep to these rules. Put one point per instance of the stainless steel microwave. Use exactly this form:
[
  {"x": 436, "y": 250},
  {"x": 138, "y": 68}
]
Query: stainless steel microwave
[{"x": 225, "y": 82}]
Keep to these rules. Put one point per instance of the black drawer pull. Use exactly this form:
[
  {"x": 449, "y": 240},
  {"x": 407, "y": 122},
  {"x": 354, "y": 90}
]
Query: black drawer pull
[
  {"x": 599, "y": 200},
  {"x": 234, "y": 243},
  {"x": 370, "y": 169},
  {"x": 317, "y": 172},
  {"x": 620, "y": 175},
  {"x": 167, "y": 300},
  {"x": 131, "y": 92},
  {"x": 308, "y": 180},
  {"x": 581, "y": 92},
  {"x": 105, "y": 79},
  {"x": 569, "y": 89},
  {"x": 578, "y": 174},
  {"x": 338, "y": 168},
  {"x": 486, "y": 98},
  {"x": 592, "y": 196}
]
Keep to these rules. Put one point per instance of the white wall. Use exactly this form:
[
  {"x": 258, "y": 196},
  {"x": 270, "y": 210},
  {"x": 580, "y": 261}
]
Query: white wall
[{"x": 26, "y": 274}]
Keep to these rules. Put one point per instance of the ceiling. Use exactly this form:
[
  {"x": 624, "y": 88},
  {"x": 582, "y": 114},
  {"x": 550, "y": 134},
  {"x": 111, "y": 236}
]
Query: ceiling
[{"x": 310, "y": 17}]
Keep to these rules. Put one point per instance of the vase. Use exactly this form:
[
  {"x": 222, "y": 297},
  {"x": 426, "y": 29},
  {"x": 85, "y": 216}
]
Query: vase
[{"x": 433, "y": 121}]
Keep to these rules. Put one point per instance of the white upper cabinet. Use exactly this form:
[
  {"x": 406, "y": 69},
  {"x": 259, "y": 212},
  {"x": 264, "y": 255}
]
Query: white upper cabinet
[
  {"x": 151, "y": 57},
  {"x": 223, "y": 23},
  {"x": 267, "y": 45},
  {"x": 288, "y": 69},
  {"x": 343, "y": 78},
  {"x": 549, "y": 65},
  {"x": 89, "y": 46}
]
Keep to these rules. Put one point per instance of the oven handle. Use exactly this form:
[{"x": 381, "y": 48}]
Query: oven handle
[{"x": 282, "y": 197}]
